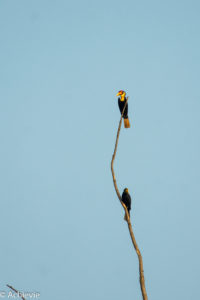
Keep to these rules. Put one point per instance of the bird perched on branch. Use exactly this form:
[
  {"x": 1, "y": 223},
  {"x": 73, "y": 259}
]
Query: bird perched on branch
[
  {"x": 126, "y": 199},
  {"x": 121, "y": 102}
]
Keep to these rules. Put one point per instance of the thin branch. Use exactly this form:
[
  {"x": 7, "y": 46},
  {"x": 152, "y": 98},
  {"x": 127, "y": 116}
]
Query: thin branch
[
  {"x": 141, "y": 270},
  {"x": 16, "y": 291}
]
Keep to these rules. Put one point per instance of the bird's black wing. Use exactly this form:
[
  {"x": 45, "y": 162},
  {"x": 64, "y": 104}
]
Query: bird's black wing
[
  {"x": 126, "y": 199},
  {"x": 129, "y": 201},
  {"x": 121, "y": 107}
]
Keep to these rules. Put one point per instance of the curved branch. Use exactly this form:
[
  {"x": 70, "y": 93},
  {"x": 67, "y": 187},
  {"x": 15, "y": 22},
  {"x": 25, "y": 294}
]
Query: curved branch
[{"x": 141, "y": 270}]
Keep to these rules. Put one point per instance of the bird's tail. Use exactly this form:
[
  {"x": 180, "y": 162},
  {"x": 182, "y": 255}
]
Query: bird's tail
[{"x": 127, "y": 123}]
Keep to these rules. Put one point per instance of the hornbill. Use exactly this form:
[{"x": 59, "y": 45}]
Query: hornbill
[
  {"x": 126, "y": 199},
  {"x": 121, "y": 103}
]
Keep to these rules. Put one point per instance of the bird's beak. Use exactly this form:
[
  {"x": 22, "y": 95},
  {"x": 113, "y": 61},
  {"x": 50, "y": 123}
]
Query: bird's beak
[{"x": 119, "y": 93}]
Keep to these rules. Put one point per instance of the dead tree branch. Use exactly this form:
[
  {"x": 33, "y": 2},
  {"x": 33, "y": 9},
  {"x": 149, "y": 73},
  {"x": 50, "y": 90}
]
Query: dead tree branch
[
  {"x": 141, "y": 270},
  {"x": 16, "y": 291}
]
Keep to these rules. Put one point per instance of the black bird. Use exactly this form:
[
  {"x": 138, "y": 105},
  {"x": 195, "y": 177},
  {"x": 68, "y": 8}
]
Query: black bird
[
  {"x": 121, "y": 103},
  {"x": 126, "y": 199}
]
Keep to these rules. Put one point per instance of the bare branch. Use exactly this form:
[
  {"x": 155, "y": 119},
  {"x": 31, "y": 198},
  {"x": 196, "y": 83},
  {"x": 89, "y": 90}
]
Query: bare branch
[
  {"x": 16, "y": 291},
  {"x": 141, "y": 270}
]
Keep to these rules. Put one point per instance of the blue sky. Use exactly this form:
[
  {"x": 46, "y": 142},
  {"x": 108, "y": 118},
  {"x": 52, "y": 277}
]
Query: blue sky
[{"x": 62, "y": 228}]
